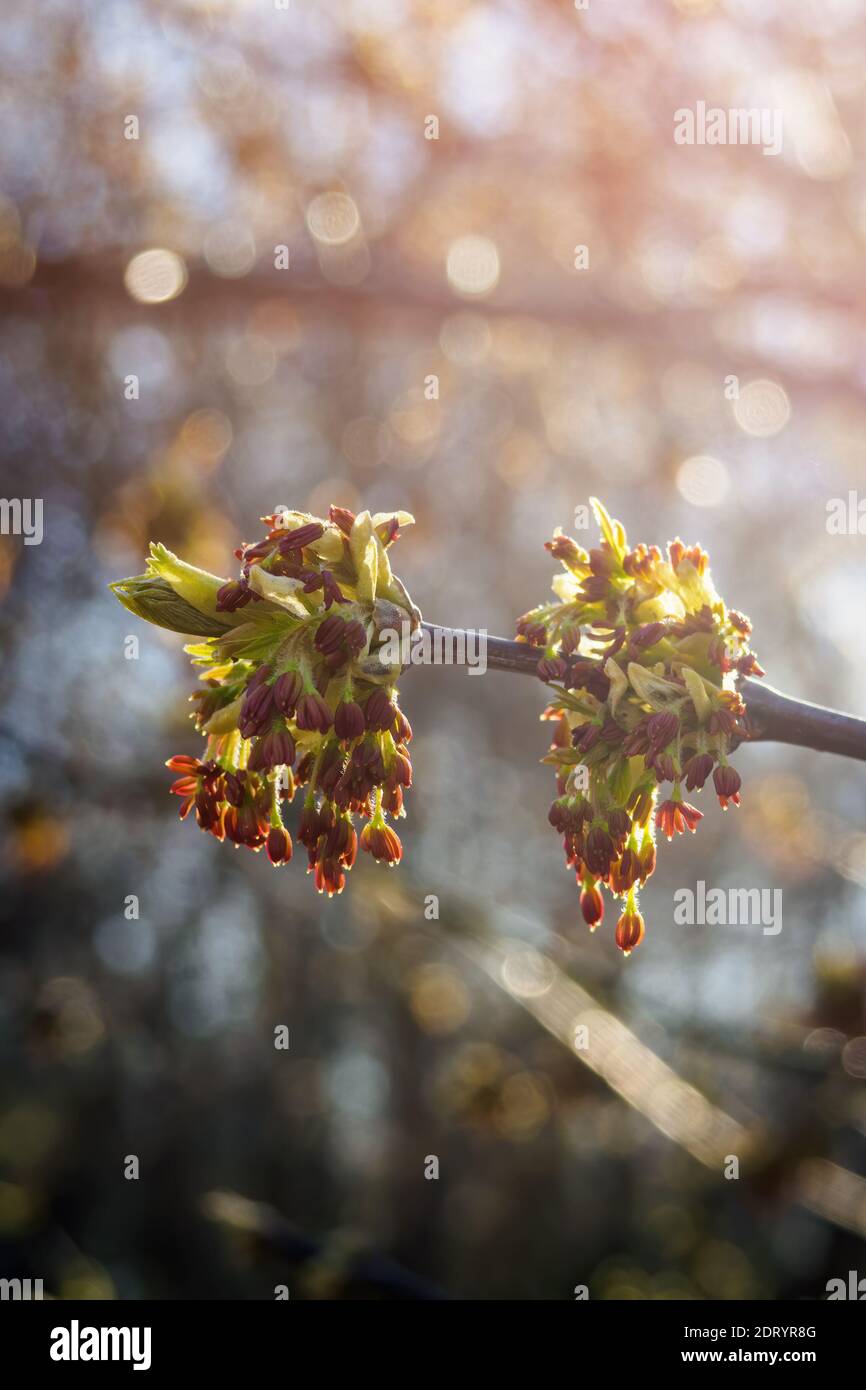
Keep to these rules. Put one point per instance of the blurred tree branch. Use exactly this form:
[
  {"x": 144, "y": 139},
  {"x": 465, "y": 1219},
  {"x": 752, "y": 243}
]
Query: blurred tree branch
[
  {"x": 397, "y": 288},
  {"x": 340, "y": 1267},
  {"x": 788, "y": 1167}
]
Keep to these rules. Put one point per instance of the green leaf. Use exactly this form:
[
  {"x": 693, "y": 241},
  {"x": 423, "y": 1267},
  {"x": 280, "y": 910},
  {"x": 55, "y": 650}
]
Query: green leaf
[
  {"x": 612, "y": 531},
  {"x": 364, "y": 548},
  {"x": 618, "y": 682},
  {"x": 652, "y": 689},
  {"x": 152, "y": 598},
  {"x": 697, "y": 690},
  {"x": 225, "y": 719},
  {"x": 563, "y": 757},
  {"x": 279, "y": 589}
]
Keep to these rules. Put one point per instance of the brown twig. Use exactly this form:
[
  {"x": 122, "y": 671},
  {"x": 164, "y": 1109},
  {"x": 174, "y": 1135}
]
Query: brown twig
[
  {"x": 777, "y": 718},
  {"x": 771, "y": 716}
]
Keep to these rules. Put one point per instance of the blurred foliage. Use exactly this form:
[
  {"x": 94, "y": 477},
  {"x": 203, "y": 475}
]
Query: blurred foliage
[{"x": 411, "y": 258}]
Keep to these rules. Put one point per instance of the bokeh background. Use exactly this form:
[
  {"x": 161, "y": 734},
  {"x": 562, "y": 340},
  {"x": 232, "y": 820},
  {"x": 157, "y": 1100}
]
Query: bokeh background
[{"x": 412, "y": 257}]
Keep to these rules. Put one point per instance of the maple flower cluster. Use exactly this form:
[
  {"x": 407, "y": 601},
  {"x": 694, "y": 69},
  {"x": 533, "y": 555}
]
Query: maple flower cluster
[
  {"x": 642, "y": 657},
  {"x": 293, "y": 694}
]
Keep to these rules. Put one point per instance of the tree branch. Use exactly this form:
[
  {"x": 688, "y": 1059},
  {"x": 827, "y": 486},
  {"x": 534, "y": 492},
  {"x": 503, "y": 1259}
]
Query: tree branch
[
  {"x": 771, "y": 716},
  {"x": 776, "y": 718}
]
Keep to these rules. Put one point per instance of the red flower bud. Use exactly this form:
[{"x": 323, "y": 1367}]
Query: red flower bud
[
  {"x": 312, "y": 713},
  {"x": 697, "y": 770},
  {"x": 275, "y": 749},
  {"x": 342, "y": 517},
  {"x": 379, "y": 712},
  {"x": 586, "y": 737},
  {"x": 279, "y": 845},
  {"x": 629, "y": 932},
  {"x": 748, "y": 665},
  {"x": 257, "y": 709},
  {"x": 662, "y": 729},
  {"x": 592, "y": 906},
  {"x": 647, "y": 861},
  {"x": 625, "y": 872},
  {"x": 331, "y": 590},
  {"x": 727, "y": 782},
  {"x": 349, "y": 720},
  {"x": 662, "y": 765},
  {"x": 382, "y": 842},
  {"x": 303, "y": 535},
  {"x": 552, "y": 668},
  {"x": 675, "y": 817},
  {"x": 330, "y": 878},
  {"x": 619, "y": 825},
  {"x": 235, "y": 788},
  {"x": 599, "y": 851},
  {"x": 184, "y": 762},
  {"x": 565, "y": 549},
  {"x": 287, "y": 690},
  {"x": 532, "y": 631},
  {"x": 330, "y": 634},
  {"x": 233, "y": 595},
  {"x": 722, "y": 721},
  {"x": 648, "y": 635}
]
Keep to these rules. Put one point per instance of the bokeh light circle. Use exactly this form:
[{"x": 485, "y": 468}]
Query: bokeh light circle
[
  {"x": 473, "y": 265},
  {"x": 230, "y": 250},
  {"x": 762, "y": 408},
  {"x": 703, "y": 481},
  {"x": 155, "y": 276},
  {"x": 333, "y": 219}
]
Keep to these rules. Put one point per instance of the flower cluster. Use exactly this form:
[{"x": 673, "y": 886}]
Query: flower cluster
[
  {"x": 643, "y": 657},
  {"x": 294, "y": 693}
]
